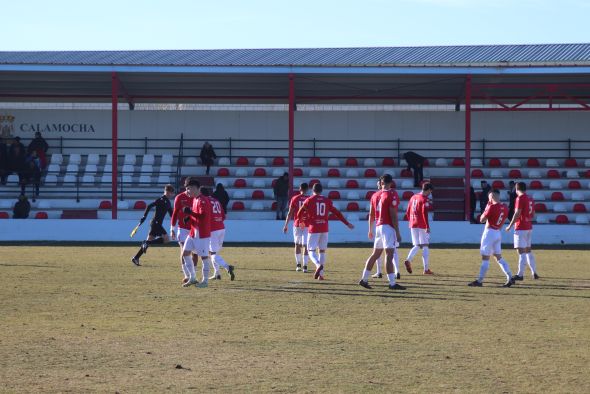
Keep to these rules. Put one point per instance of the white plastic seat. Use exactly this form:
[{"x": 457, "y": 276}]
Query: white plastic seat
[
  {"x": 145, "y": 180},
  {"x": 190, "y": 161},
  {"x": 336, "y": 205},
  {"x": 534, "y": 174},
  {"x": 403, "y": 205},
  {"x": 88, "y": 179},
  {"x": 315, "y": 173},
  {"x": 75, "y": 158},
  {"x": 297, "y": 161},
  {"x": 147, "y": 169},
  {"x": 122, "y": 205},
  {"x": 353, "y": 195},
  {"x": 44, "y": 204},
  {"x": 241, "y": 172},
  {"x": 578, "y": 196},
  {"x": 352, "y": 173},
  {"x": 352, "y": 217},
  {"x": 57, "y": 158},
  {"x": 223, "y": 182},
  {"x": 542, "y": 219},
  {"x": 496, "y": 174},
  {"x": 53, "y": 168},
  {"x": 107, "y": 168},
  {"x": 127, "y": 179},
  {"x": 555, "y": 185},
  {"x": 559, "y": 207},
  {"x": 582, "y": 219},
  {"x": 69, "y": 180},
  {"x": 539, "y": 196},
  {"x": 129, "y": 159},
  {"x": 333, "y": 184},
  {"x": 6, "y": 204},
  {"x": 167, "y": 159},
  {"x": 109, "y": 159},
  {"x": 276, "y": 172},
  {"x": 407, "y": 184},
  {"x": 333, "y": 162},
  {"x": 50, "y": 180},
  {"x": 90, "y": 169},
  {"x": 369, "y": 163},
  {"x": 239, "y": 195},
  {"x": 572, "y": 174},
  {"x": 92, "y": 158},
  {"x": 476, "y": 163},
  {"x": 514, "y": 163},
  {"x": 165, "y": 168},
  {"x": 260, "y": 162},
  {"x": 148, "y": 159},
  {"x": 259, "y": 184},
  {"x": 441, "y": 162},
  {"x": 551, "y": 163},
  {"x": 106, "y": 178},
  {"x": 371, "y": 184},
  {"x": 257, "y": 206},
  {"x": 587, "y": 163},
  {"x": 475, "y": 183},
  {"x": 223, "y": 162},
  {"x": 368, "y": 206},
  {"x": 72, "y": 169},
  {"x": 128, "y": 169},
  {"x": 163, "y": 179}
]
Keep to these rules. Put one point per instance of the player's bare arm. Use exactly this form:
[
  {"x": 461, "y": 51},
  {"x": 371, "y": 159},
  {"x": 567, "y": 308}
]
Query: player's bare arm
[
  {"x": 289, "y": 215},
  {"x": 395, "y": 223},
  {"x": 517, "y": 214},
  {"x": 371, "y": 221}
]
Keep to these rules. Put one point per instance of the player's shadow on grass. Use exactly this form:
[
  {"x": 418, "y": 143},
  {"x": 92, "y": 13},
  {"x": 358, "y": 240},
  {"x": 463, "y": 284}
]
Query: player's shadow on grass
[
  {"x": 518, "y": 285},
  {"x": 27, "y": 265}
]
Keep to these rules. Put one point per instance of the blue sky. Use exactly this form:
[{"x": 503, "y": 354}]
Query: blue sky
[{"x": 200, "y": 24}]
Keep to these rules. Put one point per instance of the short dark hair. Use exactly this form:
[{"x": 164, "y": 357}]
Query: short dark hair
[
  {"x": 427, "y": 186},
  {"x": 304, "y": 186},
  {"x": 521, "y": 186},
  {"x": 191, "y": 181},
  {"x": 169, "y": 188},
  {"x": 317, "y": 188},
  {"x": 205, "y": 191},
  {"x": 386, "y": 179},
  {"x": 495, "y": 191}
]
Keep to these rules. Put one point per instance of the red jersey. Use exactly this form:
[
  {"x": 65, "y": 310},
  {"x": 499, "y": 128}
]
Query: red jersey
[
  {"x": 417, "y": 211},
  {"x": 381, "y": 201},
  {"x": 182, "y": 200},
  {"x": 217, "y": 215},
  {"x": 496, "y": 215},
  {"x": 527, "y": 211},
  {"x": 201, "y": 217},
  {"x": 295, "y": 205},
  {"x": 318, "y": 209}
]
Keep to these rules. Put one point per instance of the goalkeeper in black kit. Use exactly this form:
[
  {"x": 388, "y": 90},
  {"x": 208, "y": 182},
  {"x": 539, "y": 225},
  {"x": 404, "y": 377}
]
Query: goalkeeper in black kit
[{"x": 157, "y": 234}]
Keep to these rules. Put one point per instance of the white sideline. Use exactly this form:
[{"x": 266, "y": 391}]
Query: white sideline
[{"x": 267, "y": 231}]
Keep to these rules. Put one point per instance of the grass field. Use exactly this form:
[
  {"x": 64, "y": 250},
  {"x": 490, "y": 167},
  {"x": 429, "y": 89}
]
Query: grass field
[{"x": 85, "y": 319}]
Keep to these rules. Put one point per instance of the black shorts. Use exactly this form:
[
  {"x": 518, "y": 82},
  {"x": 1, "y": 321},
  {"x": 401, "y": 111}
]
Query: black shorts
[{"x": 156, "y": 230}]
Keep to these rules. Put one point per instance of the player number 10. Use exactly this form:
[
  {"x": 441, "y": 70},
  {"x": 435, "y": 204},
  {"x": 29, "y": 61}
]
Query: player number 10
[{"x": 320, "y": 209}]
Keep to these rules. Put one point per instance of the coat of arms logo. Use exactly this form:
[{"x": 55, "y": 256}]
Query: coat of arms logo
[{"x": 6, "y": 126}]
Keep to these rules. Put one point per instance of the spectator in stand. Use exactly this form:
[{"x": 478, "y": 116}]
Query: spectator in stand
[
  {"x": 207, "y": 156},
  {"x": 281, "y": 192},
  {"x": 472, "y": 204},
  {"x": 39, "y": 145},
  {"x": 31, "y": 174},
  {"x": 221, "y": 195},
  {"x": 483, "y": 197},
  {"x": 16, "y": 157},
  {"x": 22, "y": 208},
  {"x": 3, "y": 162},
  {"x": 416, "y": 163},
  {"x": 511, "y": 198}
]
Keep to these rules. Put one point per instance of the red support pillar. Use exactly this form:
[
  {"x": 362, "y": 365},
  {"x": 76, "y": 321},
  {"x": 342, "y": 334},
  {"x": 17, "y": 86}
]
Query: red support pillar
[
  {"x": 468, "y": 148},
  {"x": 114, "y": 151},
  {"x": 291, "y": 129}
]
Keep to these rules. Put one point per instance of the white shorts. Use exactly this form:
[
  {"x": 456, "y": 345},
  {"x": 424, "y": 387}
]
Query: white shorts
[
  {"x": 182, "y": 235},
  {"x": 216, "y": 240},
  {"x": 491, "y": 242},
  {"x": 299, "y": 235},
  {"x": 522, "y": 238},
  {"x": 385, "y": 237},
  {"x": 317, "y": 240},
  {"x": 199, "y": 246},
  {"x": 420, "y": 236}
]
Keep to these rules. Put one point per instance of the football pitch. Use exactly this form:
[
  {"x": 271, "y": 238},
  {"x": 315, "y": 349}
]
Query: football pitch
[{"x": 83, "y": 318}]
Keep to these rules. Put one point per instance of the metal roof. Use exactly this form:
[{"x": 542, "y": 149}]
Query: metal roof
[{"x": 431, "y": 56}]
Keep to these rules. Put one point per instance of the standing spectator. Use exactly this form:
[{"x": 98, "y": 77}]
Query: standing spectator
[
  {"x": 207, "y": 156},
  {"x": 31, "y": 174},
  {"x": 416, "y": 163},
  {"x": 22, "y": 208},
  {"x": 221, "y": 195},
  {"x": 511, "y": 198},
  {"x": 281, "y": 192},
  {"x": 483, "y": 197},
  {"x": 16, "y": 157},
  {"x": 472, "y": 204},
  {"x": 39, "y": 145},
  {"x": 3, "y": 162}
]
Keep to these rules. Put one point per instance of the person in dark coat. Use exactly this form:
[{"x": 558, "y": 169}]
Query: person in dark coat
[
  {"x": 221, "y": 195},
  {"x": 16, "y": 157},
  {"x": 31, "y": 174},
  {"x": 483, "y": 197},
  {"x": 416, "y": 163},
  {"x": 3, "y": 162},
  {"x": 207, "y": 156},
  {"x": 39, "y": 145},
  {"x": 281, "y": 193},
  {"x": 511, "y": 198},
  {"x": 472, "y": 204},
  {"x": 22, "y": 208}
]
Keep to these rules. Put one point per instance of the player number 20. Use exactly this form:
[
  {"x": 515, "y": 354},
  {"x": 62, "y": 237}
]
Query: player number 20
[{"x": 216, "y": 207}]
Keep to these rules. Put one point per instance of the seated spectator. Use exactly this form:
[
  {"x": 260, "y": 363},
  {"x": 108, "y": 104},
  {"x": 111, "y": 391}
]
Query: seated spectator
[
  {"x": 16, "y": 157},
  {"x": 221, "y": 195},
  {"x": 207, "y": 156},
  {"x": 39, "y": 145},
  {"x": 3, "y": 162},
  {"x": 21, "y": 208},
  {"x": 31, "y": 174}
]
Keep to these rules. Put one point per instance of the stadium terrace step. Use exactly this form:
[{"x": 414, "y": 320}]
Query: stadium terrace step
[
  {"x": 79, "y": 214},
  {"x": 449, "y": 205},
  {"x": 447, "y": 182},
  {"x": 203, "y": 180},
  {"x": 448, "y": 194},
  {"x": 448, "y": 216},
  {"x": 449, "y": 198}
]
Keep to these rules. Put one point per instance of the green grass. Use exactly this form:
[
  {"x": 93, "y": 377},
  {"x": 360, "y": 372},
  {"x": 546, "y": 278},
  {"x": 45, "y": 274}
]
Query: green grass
[{"x": 85, "y": 319}]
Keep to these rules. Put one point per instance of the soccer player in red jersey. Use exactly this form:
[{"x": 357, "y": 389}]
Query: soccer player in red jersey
[
  {"x": 494, "y": 216},
  {"x": 299, "y": 227},
  {"x": 417, "y": 213},
  {"x": 524, "y": 212},
  {"x": 217, "y": 236},
  {"x": 181, "y": 201},
  {"x": 318, "y": 208},
  {"x": 383, "y": 211},
  {"x": 197, "y": 242}
]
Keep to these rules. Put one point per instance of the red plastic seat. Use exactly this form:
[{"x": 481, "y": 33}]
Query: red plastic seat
[
  {"x": 458, "y": 162},
  {"x": 533, "y": 162},
  {"x": 388, "y": 162},
  {"x": 257, "y": 195},
  {"x": 334, "y": 172},
  {"x": 540, "y": 207},
  {"x": 4, "y": 215},
  {"x": 273, "y": 183},
  {"x": 297, "y": 172},
  {"x": 105, "y": 204},
  {"x": 240, "y": 182},
  {"x": 426, "y": 163},
  {"x": 313, "y": 182},
  {"x": 41, "y": 215},
  {"x": 139, "y": 205},
  {"x": 495, "y": 162},
  {"x": 587, "y": 174},
  {"x": 351, "y": 162},
  {"x": 477, "y": 173},
  {"x": 536, "y": 185},
  {"x": 393, "y": 184},
  {"x": 370, "y": 173},
  {"x": 242, "y": 161},
  {"x": 574, "y": 185},
  {"x": 273, "y": 207},
  {"x": 557, "y": 196},
  {"x": 515, "y": 174},
  {"x": 352, "y": 184},
  {"x": 352, "y": 206},
  {"x": 223, "y": 172},
  {"x": 562, "y": 219},
  {"x": 369, "y": 194},
  {"x": 407, "y": 195},
  {"x": 278, "y": 161},
  {"x": 405, "y": 173},
  {"x": 498, "y": 185},
  {"x": 571, "y": 163},
  {"x": 237, "y": 206},
  {"x": 334, "y": 195},
  {"x": 315, "y": 162},
  {"x": 553, "y": 174},
  {"x": 260, "y": 172},
  {"x": 580, "y": 208}
]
